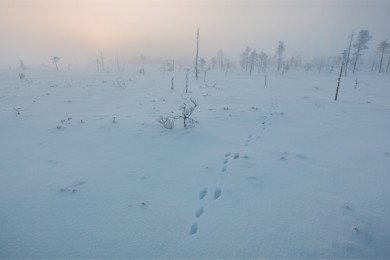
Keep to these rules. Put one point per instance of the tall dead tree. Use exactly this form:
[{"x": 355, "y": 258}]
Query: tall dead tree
[
  {"x": 21, "y": 65},
  {"x": 341, "y": 73},
  {"x": 55, "y": 59},
  {"x": 252, "y": 61},
  {"x": 279, "y": 54},
  {"x": 197, "y": 54},
  {"x": 187, "y": 70},
  {"x": 142, "y": 70},
  {"x": 102, "y": 61},
  {"x": 360, "y": 44},
  {"x": 348, "y": 53},
  {"x": 220, "y": 60},
  {"x": 382, "y": 48},
  {"x": 388, "y": 63}
]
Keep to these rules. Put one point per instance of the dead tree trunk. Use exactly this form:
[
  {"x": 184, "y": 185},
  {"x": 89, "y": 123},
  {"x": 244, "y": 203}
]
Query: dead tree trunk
[
  {"x": 197, "y": 55},
  {"x": 348, "y": 54},
  {"x": 187, "y": 80},
  {"x": 102, "y": 61},
  {"x": 341, "y": 73},
  {"x": 143, "y": 65}
]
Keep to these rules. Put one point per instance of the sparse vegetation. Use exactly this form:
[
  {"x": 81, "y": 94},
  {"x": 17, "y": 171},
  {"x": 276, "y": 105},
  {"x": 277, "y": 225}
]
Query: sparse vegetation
[
  {"x": 55, "y": 60},
  {"x": 186, "y": 113},
  {"x": 166, "y": 122}
]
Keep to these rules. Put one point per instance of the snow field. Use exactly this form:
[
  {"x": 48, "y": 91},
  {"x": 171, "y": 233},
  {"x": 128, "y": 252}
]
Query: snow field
[{"x": 281, "y": 171}]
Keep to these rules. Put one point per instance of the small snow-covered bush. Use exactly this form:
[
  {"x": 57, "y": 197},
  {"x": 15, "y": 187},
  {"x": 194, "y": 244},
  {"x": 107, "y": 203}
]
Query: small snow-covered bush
[
  {"x": 186, "y": 113},
  {"x": 166, "y": 122}
]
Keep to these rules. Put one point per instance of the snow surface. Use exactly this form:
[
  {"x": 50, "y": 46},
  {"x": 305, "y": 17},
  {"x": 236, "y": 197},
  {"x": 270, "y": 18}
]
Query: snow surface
[{"x": 281, "y": 171}]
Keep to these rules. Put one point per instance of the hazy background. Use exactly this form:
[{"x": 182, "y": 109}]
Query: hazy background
[{"x": 77, "y": 31}]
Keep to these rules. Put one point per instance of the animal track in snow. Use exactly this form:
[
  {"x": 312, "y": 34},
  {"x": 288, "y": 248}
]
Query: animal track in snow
[
  {"x": 54, "y": 162},
  {"x": 294, "y": 155},
  {"x": 193, "y": 229},
  {"x": 199, "y": 212},
  {"x": 217, "y": 193},
  {"x": 203, "y": 193},
  {"x": 228, "y": 156},
  {"x": 71, "y": 188}
]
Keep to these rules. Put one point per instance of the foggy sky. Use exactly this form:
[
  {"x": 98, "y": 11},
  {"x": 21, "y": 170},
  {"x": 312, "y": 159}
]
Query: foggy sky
[{"x": 77, "y": 31}]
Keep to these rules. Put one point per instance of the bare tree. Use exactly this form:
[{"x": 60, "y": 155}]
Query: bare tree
[
  {"x": 202, "y": 63},
  {"x": 360, "y": 44},
  {"x": 227, "y": 65},
  {"x": 213, "y": 63},
  {"x": 252, "y": 61},
  {"x": 347, "y": 58},
  {"x": 186, "y": 113},
  {"x": 341, "y": 73},
  {"x": 388, "y": 63},
  {"x": 279, "y": 54},
  {"x": 55, "y": 60},
  {"x": 21, "y": 65},
  {"x": 142, "y": 70},
  {"x": 102, "y": 61},
  {"x": 187, "y": 70},
  {"x": 98, "y": 64},
  {"x": 197, "y": 54},
  {"x": 245, "y": 58},
  {"x": 263, "y": 61},
  {"x": 382, "y": 48},
  {"x": 220, "y": 58},
  {"x": 319, "y": 63}
]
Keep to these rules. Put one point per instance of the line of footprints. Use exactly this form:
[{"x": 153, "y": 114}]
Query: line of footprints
[
  {"x": 218, "y": 191},
  {"x": 216, "y": 195}
]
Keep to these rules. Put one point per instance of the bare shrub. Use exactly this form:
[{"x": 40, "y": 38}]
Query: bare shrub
[{"x": 166, "y": 122}]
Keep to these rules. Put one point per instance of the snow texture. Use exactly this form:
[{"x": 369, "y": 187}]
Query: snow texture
[{"x": 281, "y": 171}]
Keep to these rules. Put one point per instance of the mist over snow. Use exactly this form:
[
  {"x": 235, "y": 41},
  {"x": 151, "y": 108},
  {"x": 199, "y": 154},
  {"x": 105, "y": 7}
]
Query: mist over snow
[
  {"x": 77, "y": 31},
  {"x": 125, "y": 133}
]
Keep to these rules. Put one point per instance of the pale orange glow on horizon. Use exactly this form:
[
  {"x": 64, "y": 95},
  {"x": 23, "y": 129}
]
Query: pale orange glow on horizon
[{"x": 35, "y": 30}]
